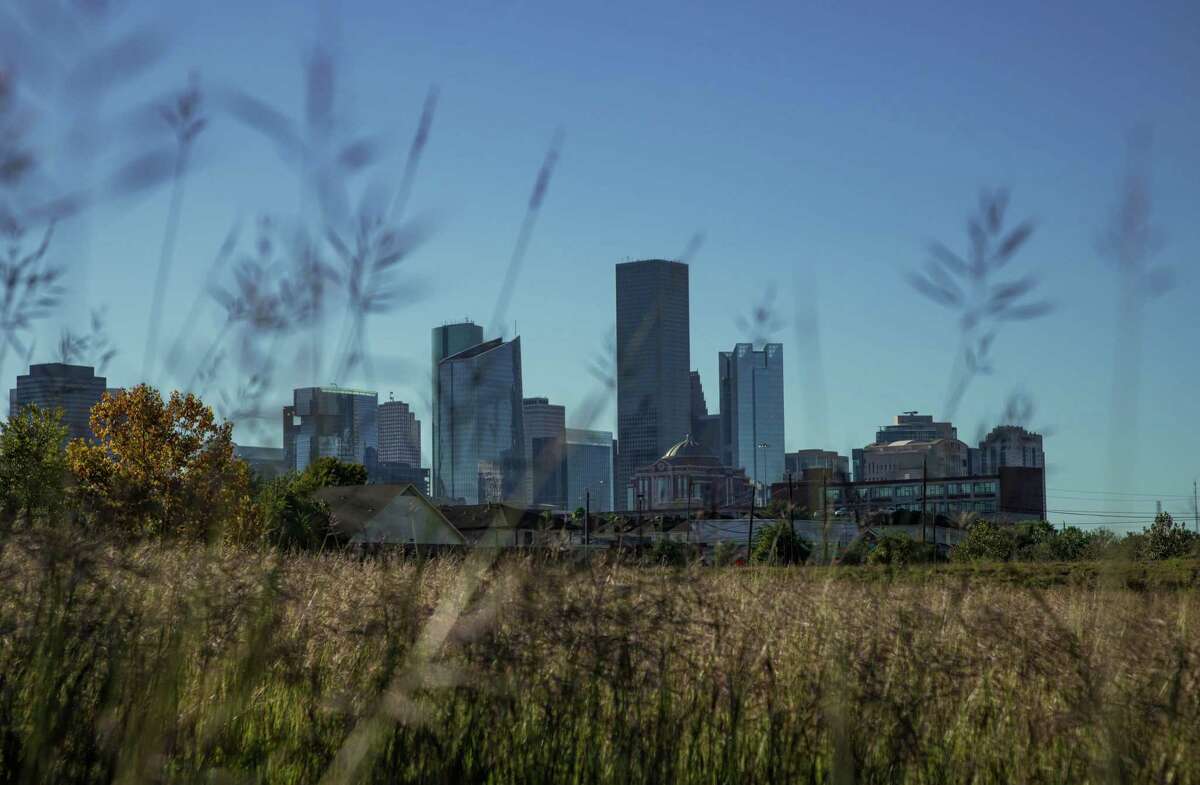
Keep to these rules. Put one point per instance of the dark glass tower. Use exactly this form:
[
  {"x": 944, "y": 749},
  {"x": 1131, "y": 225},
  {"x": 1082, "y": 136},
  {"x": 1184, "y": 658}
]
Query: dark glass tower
[
  {"x": 480, "y": 447},
  {"x": 74, "y": 389},
  {"x": 653, "y": 365},
  {"x": 330, "y": 422},
  {"x": 447, "y": 340}
]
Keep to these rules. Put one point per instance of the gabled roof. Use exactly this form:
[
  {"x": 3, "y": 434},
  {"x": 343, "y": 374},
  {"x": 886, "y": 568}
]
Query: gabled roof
[{"x": 354, "y": 507}]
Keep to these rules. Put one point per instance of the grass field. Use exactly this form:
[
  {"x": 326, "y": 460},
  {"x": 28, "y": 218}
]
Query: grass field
[{"x": 179, "y": 664}]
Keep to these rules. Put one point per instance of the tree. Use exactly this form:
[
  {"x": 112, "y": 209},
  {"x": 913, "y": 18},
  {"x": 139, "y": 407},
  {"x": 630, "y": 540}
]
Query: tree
[
  {"x": 776, "y": 543},
  {"x": 1166, "y": 539},
  {"x": 160, "y": 468},
  {"x": 900, "y": 550},
  {"x": 33, "y": 464},
  {"x": 287, "y": 513},
  {"x": 985, "y": 541}
]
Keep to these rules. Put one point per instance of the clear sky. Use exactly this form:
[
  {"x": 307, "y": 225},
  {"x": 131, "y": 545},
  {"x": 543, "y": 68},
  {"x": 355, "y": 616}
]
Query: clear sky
[{"x": 817, "y": 147}]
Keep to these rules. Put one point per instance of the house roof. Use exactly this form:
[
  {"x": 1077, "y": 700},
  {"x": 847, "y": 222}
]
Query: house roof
[{"x": 353, "y": 507}]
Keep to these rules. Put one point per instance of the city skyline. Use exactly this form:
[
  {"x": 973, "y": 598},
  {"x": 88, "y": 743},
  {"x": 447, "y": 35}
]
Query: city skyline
[{"x": 823, "y": 184}]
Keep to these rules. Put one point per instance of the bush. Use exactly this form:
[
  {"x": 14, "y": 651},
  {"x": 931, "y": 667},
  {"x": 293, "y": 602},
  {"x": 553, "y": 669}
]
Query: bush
[
  {"x": 725, "y": 554},
  {"x": 985, "y": 541},
  {"x": 777, "y": 543},
  {"x": 668, "y": 553},
  {"x": 33, "y": 464},
  {"x": 1166, "y": 539},
  {"x": 899, "y": 550},
  {"x": 287, "y": 513}
]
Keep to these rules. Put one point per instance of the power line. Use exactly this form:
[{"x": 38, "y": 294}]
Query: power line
[{"x": 1151, "y": 496}]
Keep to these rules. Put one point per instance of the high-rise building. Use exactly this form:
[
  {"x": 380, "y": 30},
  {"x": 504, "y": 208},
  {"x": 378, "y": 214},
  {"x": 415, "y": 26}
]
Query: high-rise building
[
  {"x": 907, "y": 426},
  {"x": 589, "y": 469},
  {"x": 480, "y": 451},
  {"x": 447, "y": 340},
  {"x": 653, "y": 363},
  {"x": 1010, "y": 445},
  {"x": 800, "y": 461},
  {"x": 399, "y": 434},
  {"x": 546, "y": 451},
  {"x": 752, "y": 411},
  {"x": 330, "y": 422},
  {"x": 706, "y": 428},
  {"x": 910, "y": 459},
  {"x": 74, "y": 389}
]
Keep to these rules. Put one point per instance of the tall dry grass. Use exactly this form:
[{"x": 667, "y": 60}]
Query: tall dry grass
[{"x": 180, "y": 664}]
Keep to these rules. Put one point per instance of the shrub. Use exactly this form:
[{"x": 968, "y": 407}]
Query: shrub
[
  {"x": 668, "y": 553},
  {"x": 985, "y": 541},
  {"x": 899, "y": 550},
  {"x": 287, "y": 513},
  {"x": 33, "y": 464},
  {"x": 777, "y": 543},
  {"x": 1166, "y": 539}
]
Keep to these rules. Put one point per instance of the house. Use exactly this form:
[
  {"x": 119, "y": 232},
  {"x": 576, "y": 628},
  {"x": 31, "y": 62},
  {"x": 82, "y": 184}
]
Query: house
[
  {"x": 389, "y": 515},
  {"x": 500, "y": 525}
]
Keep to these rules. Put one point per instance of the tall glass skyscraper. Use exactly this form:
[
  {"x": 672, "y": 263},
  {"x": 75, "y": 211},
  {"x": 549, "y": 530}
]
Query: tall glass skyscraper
[
  {"x": 480, "y": 450},
  {"x": 447, "y": 340},
  {"x": 752, "y": 411},
  {"x": 589, "y": 469},
  {"x": 74, "y": 389},
  {"x": 330, "y": 422},
  {"x": 399, "y": 434},
  {"x": 546, "y": 451},
  {"x": 653, "y": 365}
]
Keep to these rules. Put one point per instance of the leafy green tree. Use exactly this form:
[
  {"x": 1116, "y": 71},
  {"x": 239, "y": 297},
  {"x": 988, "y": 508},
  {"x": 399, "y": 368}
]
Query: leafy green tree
[
  {"x": 1166, "y": 539},
  {"x": 900, "y": 550},
  {"x": 668, "y": 553},
  {"x": 33, "y": 464},
  {"x": 776, "y": 543},
  {"x": 985, "y": 541},
  {"x": 288, "y": 514}
]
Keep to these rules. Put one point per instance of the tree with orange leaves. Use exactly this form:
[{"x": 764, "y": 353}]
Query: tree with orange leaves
[{"x": 160, "y": 468}]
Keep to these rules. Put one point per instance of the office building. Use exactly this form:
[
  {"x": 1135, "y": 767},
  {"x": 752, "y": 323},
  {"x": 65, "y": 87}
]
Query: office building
[
  {"x": 589, "y": 469},
  {"x": 653, "y": 362},
  {"x": 912, "y": 459},
  {"x": 907, "y": 426},
  {"x": 480, "y": 451},
  {"x": 330, "y": 422},
  {"x": 74, "y": 389},
  {"x": 706, "y": 428},
  {"x": 399, "y": 434},
  {"x": 546, "y": 451},
  {"x": 801, "y": 461},
  {"x": 752, "y": 411},
  {"x": 1011, "y": 495},
  {"x": 1010, "y": 445},
  {"x": 447, "y": 340}
]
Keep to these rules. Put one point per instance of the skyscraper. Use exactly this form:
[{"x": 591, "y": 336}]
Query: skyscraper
[
  {"x": 752, "y": 411},
  {"x": 480, "y": 448},
  {"x": 653, "y": 363},
  {"x": 447, "y": 340},
  {"x": 589, "y": 469},
  {"x": 74, "y": 389},
  {"x": 546, "y": 451},
  {"x": 399, "y": 434},
  {"x": 330, "y": 422},
  {"x": 706, "y": 428}
]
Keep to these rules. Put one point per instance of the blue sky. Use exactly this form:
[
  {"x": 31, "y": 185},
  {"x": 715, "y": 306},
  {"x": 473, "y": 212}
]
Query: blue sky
[{"x": 817, "y": 147}]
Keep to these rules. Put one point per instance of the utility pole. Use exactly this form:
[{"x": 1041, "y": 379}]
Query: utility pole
[
  {"x": 1195, "y": 509},
  {"x": 791, "y": 507},
  {"x": 750, "y": 531},
  {"x": 587, "y": 518},
  {"x": 688, "y": 514},
  {"x": 825, "y": 514}
]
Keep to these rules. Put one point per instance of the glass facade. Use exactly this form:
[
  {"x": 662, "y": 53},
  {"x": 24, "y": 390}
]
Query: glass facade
[
  {"x": 330, "y": 422},
  {"x": 74, "y": 389},
  {"x": 399, "y": 434},
  {"x": 589, "y": 469},
  {"x": 480, "y": 451},
  {"x": 653, "y": 364},
  {"x": 752, "y": 411},
  {"x": 447, "y": 340},
  {"x": 546, "y": 449}
]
